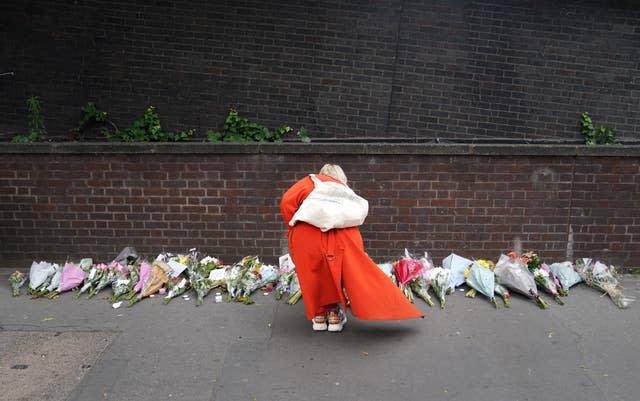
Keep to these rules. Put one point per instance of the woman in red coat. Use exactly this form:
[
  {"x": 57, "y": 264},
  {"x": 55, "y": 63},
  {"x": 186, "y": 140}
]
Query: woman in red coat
[{"x": 330, "y": 263}]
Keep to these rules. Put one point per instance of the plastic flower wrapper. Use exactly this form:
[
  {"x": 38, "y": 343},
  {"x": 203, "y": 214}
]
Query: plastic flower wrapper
[
  {"x": 127, "y": 256},
  {"x": 145, "y": 273},
  {"x": 456, "y": 265},
  {"x": 604, "y": 278},
  {"x": 71, "y": 277},
  {"x": 566, "y": 274},
  {"x": 39, "y": 273},
  {"x": 176, "y": 286},
  {"x": 158, "y": 278},
  {"x": 420, "y": 286},
  {"x": 387, "y": 269},
  {"x": 17, "y": 280},
  {"x": 295, "y": 292},
  {"x": 504, "y": 293},
  {"x": 54, "y": 283},
  {"x": 439, "y": 279},
  {"x": 512, "y": 272},
  {"x": 44, "y": 288},
  {"x": 483, "y": 280}
]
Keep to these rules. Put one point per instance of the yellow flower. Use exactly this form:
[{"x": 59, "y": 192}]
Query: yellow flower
[{"x": 486, "y": 263}]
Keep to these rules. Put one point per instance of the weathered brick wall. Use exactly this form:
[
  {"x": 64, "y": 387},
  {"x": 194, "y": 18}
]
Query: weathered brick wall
[
  {"x": 59, "y": 201},
  {"x": 520, "y": 70}
]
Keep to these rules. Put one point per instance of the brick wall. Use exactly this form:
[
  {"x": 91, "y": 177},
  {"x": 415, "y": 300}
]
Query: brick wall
[
  {"x": 421, "y": 70},
  {"x": 73, "y": 200}
]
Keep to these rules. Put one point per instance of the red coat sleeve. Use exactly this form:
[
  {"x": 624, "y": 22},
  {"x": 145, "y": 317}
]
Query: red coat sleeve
[{"x": 294, "y": 196}]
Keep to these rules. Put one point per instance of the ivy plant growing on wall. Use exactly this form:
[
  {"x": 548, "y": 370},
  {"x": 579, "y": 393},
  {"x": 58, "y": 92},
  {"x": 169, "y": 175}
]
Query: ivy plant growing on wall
[
  {"x": 37, "y": 131},
  {"x": 148, "y": 129},
  {"x": 601, "y": 136},
  {"x": 91, "y": 116},
  {"x": 240, "y": 129}
]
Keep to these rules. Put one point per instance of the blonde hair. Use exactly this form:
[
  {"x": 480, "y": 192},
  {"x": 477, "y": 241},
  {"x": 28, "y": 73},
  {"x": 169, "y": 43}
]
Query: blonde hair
[{"x": 334, "y": 171}]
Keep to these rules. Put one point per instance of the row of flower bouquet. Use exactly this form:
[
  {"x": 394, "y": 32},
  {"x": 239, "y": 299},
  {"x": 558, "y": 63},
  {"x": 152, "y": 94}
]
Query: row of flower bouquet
[
  {"x": 170, "y": 275},
  {"x": 523, "y": 274},
  {"x": 132, "y": 278}
]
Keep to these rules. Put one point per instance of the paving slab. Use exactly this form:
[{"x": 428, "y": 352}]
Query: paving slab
[{"x": 47, "y": 365}]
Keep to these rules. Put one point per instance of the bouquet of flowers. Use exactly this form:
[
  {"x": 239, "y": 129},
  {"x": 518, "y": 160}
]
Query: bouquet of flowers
[
  {"x": 295, "y": 293},
  {"x": 556, "y": 281},
  {"x": 92, "y": 278},
  {"x": 486, "y": 263},
  {"x": 439, "y": 280},
  {"x": 17, "y": 280},
  {"x": 72, "y": 275},
  {"x": 512, "y": 272},
  {"x": 456, "y": 265},
  {"x": 285, "y": 275},
  {"x": 176, "y": 286},
  {"x": 106, "y": 277},
  {"x": 284, "y": 281},
  {"x": 604, "y": 278},
  {"x": 40, "y": 275},
  {"x": 420, "y": 287},
  {"x": 566, "y": 274},
  {"x": 504, "y": 293},
  {"x": 135, "y": 271},
  {"x": 406, "y": 270},
  {"x": 234, "y": 274},
  {"x": 258, "y": 276},
  {"x": 542, "y": 275},
  {"x": 54, "y": 282},
  {"x": 121, "y": 282},
  {"x": 159, "y": 277},
  {"x": 145, "y": 272},
  {"x": 197, "y": 274},
  {"x": 482, "y": 279},
  {"x": 200, "y": 284}
]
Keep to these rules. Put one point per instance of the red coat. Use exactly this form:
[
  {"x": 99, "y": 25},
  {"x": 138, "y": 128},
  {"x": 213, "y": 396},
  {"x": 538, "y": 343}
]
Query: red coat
[{"x": 330, "y": 261}]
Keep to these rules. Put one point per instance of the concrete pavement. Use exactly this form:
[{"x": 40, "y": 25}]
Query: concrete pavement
[{"x": 587, "y": 350}]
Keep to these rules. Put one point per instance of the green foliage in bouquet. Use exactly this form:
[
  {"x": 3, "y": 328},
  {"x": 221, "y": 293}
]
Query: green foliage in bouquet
[
  {"x": 240, "y": 129},
  {"x": 37, "y": 131},
  {"x": 601, "y": 136},
  {"x": 148, "y": 129}
]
